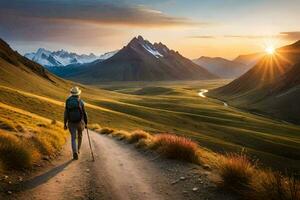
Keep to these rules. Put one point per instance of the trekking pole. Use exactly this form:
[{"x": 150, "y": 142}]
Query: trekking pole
[{"x": 87, "y": 130}]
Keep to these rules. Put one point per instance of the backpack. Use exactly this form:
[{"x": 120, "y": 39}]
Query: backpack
[{"x": 74, "y": 109}]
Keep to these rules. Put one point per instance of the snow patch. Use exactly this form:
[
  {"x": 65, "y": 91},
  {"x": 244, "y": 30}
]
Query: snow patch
[
  {"x": 63, "y": 58},
  {"x": 153, "y": 51}
]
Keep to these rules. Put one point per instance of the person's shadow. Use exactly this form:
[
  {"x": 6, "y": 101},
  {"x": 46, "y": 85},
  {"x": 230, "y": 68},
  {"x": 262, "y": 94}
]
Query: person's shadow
[{"x": 41, "y": 179}]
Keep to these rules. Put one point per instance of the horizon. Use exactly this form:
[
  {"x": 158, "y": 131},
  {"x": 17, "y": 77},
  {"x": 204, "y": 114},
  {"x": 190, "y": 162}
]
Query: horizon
[{"x": 195, "y": 29}]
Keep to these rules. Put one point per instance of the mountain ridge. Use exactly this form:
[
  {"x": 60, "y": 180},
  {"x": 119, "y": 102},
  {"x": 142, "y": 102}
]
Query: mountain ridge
[
  {"x": 62, "y": 58},
  {"x": 222, "y": 67},
  {"x": 270, "y": 87},
  {"x": 141, "y": 60}
]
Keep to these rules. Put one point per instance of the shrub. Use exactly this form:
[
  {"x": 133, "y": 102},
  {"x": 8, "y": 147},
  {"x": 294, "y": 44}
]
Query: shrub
[
  {"x": 176, "y": 147},
  {"x": 275, "y": 186},
  {"x": 138, "y": 135},
  {"x": 95, "y": 127},
  {"x": 106, "y": 131},
  {"x": 144, "y": 143},
  {"x": 236, "y": 171},
  {"x": 121, "y": 134},
  {"x": 53, "y": 122}
]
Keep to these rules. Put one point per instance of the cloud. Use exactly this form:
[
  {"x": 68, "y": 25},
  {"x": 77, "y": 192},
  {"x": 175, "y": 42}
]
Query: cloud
[
  {"x": 90, "y": 11},
  {"x": 250, "y": 36},
  {"x": 202, "y": 37},
  {"x": 293, "y": 35}
]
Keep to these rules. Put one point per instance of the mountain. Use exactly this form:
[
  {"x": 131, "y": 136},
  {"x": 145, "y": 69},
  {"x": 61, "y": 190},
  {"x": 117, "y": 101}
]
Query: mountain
[
  {"x": 140, "y": 60},
  {"x": 271, "y": 86},
  {"x": 249, "y": 59},
  {"x": 18, "y": 72},
  {"x": 222, "y": 67},
  {"x": 63, "y": 58}
]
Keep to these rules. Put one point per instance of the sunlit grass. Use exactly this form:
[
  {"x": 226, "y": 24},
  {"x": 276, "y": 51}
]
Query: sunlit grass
[
  {"x": 236, "y": 171},
  {"x": 26, "y": 139}
]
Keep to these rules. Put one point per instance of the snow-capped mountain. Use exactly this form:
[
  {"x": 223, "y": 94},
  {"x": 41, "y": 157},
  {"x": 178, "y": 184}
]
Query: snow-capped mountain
[
  {"x": 63, "y": 58},
  {"x": 139, "y": 60}
]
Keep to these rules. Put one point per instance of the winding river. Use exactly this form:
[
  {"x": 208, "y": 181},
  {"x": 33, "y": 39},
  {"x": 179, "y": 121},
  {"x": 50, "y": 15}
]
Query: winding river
[{"x": 202, "y": 94}]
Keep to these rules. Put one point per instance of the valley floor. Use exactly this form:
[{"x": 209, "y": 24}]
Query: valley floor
[{"x": 119, "y": 172}]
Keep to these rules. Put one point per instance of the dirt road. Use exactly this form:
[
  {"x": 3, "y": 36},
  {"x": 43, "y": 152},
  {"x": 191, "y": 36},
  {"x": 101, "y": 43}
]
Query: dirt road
[{"x": 120, "y": 172}]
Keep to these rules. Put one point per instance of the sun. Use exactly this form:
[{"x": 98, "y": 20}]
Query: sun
[{"x": 270, "y": 50}]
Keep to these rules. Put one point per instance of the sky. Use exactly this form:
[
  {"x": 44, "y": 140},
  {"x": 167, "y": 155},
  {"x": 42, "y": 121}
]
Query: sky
[{"x": 215, "y": 28}]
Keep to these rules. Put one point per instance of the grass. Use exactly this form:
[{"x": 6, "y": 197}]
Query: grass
[
  {"x": 136, "y": 136},
  {"x": 237, "y": 172},
  {"x": 176, "y": 147},
  {"x": 274, "y": 186},
  {"x": 26, "y": 138},
  {"x": 14, "y": 154},
  {"x": 167, "y": 145},
  {"x": 106, "y": 131},
  {"x": 245, "y": 178},
  {"x": 94, "y": 127},
  {"x": 182, "y": 111}
]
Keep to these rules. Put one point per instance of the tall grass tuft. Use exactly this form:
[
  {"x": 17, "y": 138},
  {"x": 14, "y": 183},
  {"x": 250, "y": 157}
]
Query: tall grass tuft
[
  {"x": 176, "y": 147},
  {"x": 121, "y": 135},
  {"x": 135, "y": 136},
  {"x": 274, "y": 186},
  {"x": 237, "y": 172},
  {"x": 95, "y": 127},
  {"x": 106, "y": 131}
]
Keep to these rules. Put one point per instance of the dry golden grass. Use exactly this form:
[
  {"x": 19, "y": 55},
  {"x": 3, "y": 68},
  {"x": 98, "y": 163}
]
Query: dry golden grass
[
  {"x": 121, "y": 135},
  {"x": 242, "y": 176},
  {"x": 236, "y": 172},
  {"x": 144, "y": 143},
  {"x": 176, "y": 147},
  {"x": 274, "y": 186},
  {"x": 14, "y": 154},
  {"x": 25, "y": 139},
  {"x": 106, "y": 131},
  {"x": 94, "y": 127},
  {"x": 136, "y": 136}
]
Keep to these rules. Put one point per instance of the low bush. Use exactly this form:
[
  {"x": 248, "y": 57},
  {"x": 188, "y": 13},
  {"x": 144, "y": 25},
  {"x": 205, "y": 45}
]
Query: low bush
[
  {"x": 274, "y": 186},
  {"x": 95, "y": 127},
  {"x": 106, "y": 131},
  {"x": 236, "y": 172},
  {"x": 176, "y": 147},
  {"x": 144, "y": 143},
  {"x": 121, "y": 135},
  {"x": 138, "y": 135}
]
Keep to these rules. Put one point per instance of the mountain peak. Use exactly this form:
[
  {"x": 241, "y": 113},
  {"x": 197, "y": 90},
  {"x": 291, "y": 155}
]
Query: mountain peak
[
  {"x": 140, "y": 38},
  {"x": 136, "y": 40},
  {"x": 60, "y": 57}
]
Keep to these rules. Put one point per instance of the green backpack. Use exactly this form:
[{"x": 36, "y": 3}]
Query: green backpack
[{"x": 74, "y": 108}]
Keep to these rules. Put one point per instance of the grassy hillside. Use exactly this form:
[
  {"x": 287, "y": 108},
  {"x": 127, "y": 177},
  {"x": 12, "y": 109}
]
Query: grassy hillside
[
  {"x": 26, "y": 138},
  {"x": 180, "y": 110},
  {"x": 271, "y": 87},
  {"x": 173, "y": 107}
]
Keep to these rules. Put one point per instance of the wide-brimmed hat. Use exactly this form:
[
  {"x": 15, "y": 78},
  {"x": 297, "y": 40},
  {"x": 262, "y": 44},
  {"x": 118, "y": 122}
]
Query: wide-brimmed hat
[{"x": 75, "y": 91}]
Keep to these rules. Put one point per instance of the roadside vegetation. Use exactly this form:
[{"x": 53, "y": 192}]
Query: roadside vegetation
[
  {"x": 26, "y": 139},
  {"x": 237, "y": 172}
]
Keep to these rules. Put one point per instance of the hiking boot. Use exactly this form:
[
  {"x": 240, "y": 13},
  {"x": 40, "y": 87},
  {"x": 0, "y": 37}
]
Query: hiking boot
[
  {"x": 75, "y": 156},
  {"x": 78, "y": 151}
]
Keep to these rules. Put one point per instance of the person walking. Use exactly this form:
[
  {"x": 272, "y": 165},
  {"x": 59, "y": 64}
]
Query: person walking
[{"x": 75, "y": 118}]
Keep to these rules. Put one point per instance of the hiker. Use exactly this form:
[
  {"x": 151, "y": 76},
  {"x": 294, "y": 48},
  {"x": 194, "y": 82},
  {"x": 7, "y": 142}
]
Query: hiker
[{"x": 75, "y": 118}]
